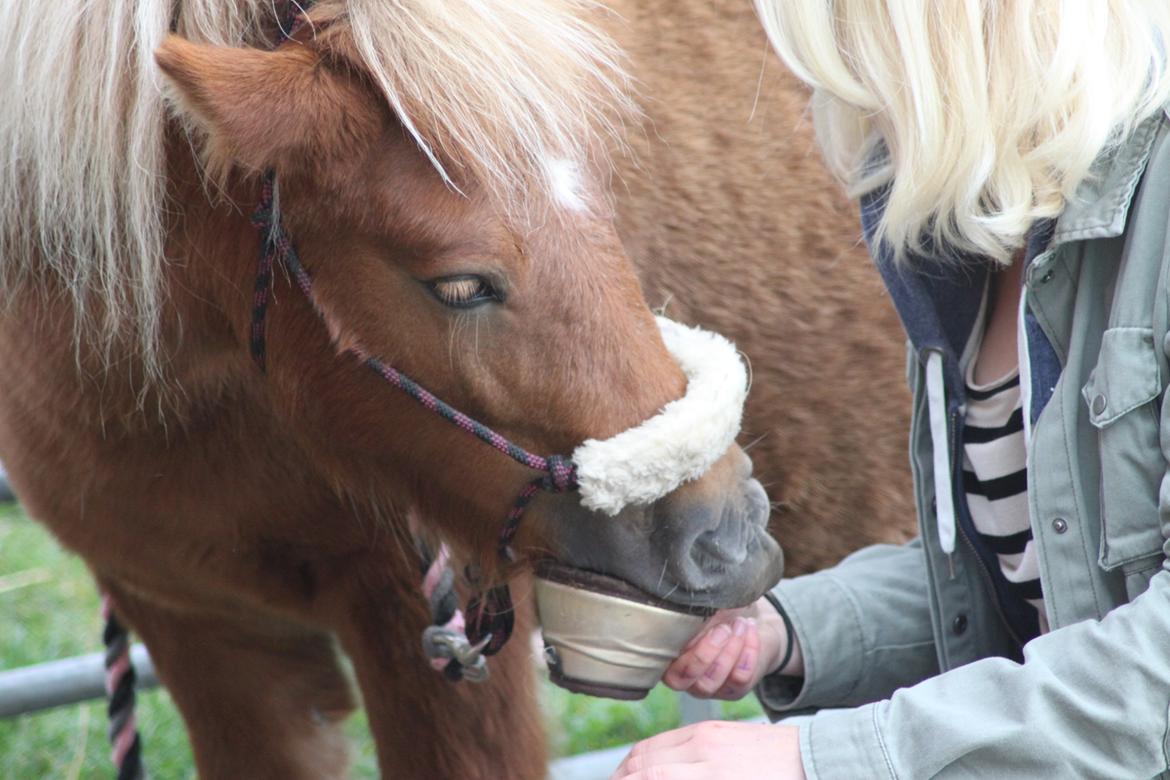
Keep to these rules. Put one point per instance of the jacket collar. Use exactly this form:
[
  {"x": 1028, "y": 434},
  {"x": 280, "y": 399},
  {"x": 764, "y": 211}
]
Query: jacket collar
[
  {"x": 939, "y": 302},
  {"x": 1101, "y": 204}
]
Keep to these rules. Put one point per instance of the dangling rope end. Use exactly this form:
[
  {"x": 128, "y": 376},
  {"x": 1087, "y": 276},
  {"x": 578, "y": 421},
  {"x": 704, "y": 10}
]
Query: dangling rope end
[
  {"x": 450, "y": 649},
  {"x": 126, "y": 745}
]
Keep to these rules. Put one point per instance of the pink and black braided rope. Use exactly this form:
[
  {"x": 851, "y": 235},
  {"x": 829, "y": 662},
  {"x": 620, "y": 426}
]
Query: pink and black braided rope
[
  {"x": 489, "y": 612},
  {"x": 439, "y": 590},
  {"x": 125, "y": 743}
]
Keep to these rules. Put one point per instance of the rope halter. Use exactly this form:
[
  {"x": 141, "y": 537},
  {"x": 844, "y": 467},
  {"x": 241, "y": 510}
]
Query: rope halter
[{"x": 636, "y": 467}]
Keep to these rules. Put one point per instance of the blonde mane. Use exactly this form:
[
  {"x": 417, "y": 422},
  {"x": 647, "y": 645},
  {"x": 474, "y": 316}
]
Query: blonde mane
[{"x": 494, "y": 91}]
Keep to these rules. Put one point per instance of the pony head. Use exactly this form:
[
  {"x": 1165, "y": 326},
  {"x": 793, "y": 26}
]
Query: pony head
[{"x": 445, "y": 192}]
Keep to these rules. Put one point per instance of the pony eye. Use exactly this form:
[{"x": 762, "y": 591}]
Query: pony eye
[{"x": 463, "y": 291}]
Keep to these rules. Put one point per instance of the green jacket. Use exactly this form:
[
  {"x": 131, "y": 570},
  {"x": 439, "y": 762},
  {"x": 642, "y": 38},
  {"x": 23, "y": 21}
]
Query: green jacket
[{"x": 1092, "y": 697}]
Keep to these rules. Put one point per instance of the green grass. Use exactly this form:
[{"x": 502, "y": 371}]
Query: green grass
[{"x": 49, "y": 610}]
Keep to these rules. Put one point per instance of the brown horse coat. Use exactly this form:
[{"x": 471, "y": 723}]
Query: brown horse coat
[{"x": 734, "y": 223}]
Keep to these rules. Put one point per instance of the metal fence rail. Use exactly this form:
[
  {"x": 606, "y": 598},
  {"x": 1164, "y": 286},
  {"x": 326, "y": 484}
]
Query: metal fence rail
[
  {"x": 68, "y": 681},
  {"x": 74, "y": 680}
]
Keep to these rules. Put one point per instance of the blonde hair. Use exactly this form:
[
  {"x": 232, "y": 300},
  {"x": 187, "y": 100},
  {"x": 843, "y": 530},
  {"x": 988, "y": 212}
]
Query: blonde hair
[
  {"x": 492, "y": 90},
  {"x": 981, "y": 116}
]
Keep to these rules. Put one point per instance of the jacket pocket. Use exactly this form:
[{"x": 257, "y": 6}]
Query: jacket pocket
[{"x": 1121, "y": 396}]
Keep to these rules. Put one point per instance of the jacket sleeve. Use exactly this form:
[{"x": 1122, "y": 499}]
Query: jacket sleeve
[
  {"x": 1089, "y": 700},
  {"x": 864, "y": 630}
]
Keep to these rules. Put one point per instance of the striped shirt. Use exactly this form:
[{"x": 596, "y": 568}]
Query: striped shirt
[{"x": 995, "y": 479}]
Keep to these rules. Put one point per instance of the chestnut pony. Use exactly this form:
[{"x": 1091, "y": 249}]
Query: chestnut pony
[
  {"x": 439, "y": 166},
  {"x": 252, "y": 526}
]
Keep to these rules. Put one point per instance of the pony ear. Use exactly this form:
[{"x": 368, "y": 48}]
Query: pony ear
[{"x": 264, "y": 109}]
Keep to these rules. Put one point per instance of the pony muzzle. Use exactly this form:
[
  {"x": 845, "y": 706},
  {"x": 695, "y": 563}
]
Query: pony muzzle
[{"x": 604, "y": 636}]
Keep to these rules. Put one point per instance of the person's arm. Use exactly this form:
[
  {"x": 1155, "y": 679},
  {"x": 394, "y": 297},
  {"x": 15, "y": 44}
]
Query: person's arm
[
  {"x": 863, "y": 629},
  {"x": 863, "y": 626},
  {"x": 867, "y": 621},
  {"x": 1090, "y": 700}
]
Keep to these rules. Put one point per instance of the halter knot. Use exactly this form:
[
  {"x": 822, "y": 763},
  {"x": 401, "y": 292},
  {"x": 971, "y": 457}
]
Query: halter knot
[{"x": 562, "y": 475}]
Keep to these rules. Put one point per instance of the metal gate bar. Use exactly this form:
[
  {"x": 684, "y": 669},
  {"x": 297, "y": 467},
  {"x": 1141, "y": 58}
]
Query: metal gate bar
[
  {"x": 68, "y": 681},
  {"x": 74, "y": 680}
]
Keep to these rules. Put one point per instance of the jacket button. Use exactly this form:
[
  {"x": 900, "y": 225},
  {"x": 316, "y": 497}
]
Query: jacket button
[
  {"x": 1046, "y": 278},
  {"x": 1060, "y": 525},
  {"x": 1099, "y": 404},
  {"x": 959, "y": 624}
]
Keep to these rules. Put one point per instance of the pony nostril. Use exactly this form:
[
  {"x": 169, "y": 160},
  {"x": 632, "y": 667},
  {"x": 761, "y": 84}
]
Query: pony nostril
[
  {"x": 715, "y": 550},
  {"x": 735, "y": 536}
]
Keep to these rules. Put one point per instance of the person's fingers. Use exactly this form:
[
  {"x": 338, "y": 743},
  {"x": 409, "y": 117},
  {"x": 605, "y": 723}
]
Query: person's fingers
[
  {"x": 691, "y": 745},
  {"x": 714, "y": 676},
  {"x": 743, "y": 675},
  {"x": 702, "y": 633},
  {"x": 669, "y": 749},
  {"x": 692, "y": 663},
  {"x": 666, "y": 739},
  {"x": 723, "y": 616},
  {"x": 643, "y": 762},
  {"x": 715, "y": 750},
  {"x": 666, "y": 772}
]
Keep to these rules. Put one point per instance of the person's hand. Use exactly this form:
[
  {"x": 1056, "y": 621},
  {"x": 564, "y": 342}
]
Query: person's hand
[
  {"x": 731, "y": 654},
  {"x": 716, "y": 750}
]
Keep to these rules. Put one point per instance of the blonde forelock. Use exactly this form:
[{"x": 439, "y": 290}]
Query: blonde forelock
[{"x": 494, "y": 92}]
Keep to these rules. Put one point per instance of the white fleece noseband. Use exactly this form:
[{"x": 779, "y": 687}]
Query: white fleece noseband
[{"x": 679, "y": 444}]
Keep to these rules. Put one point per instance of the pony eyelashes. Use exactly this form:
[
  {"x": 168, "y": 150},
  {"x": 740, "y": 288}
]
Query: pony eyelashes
[{"x": 680, "y": 443}]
